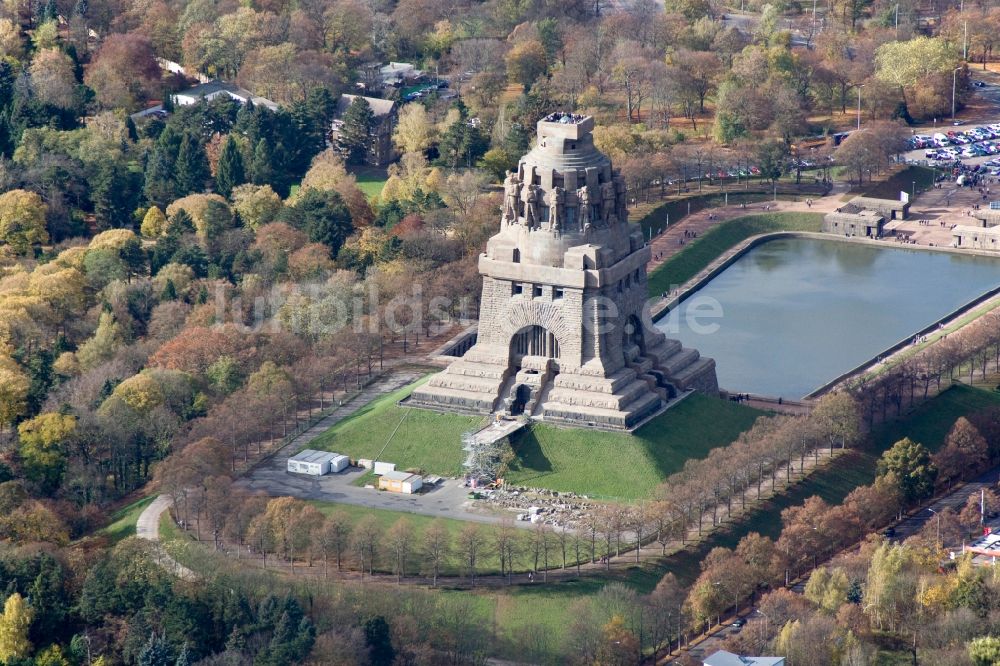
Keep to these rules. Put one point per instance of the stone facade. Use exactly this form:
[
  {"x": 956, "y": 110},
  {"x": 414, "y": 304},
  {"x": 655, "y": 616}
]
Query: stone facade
[
  {"x": 562, "y": 331},
  {"x": 852, "y": 222},
  {"x": 384, "y": 111},
  {"x": 976, "y": 238},
  {"x": 890, "y": 209}
]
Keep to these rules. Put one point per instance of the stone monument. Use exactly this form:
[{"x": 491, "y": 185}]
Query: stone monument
[{"x": 562, "y": 332}]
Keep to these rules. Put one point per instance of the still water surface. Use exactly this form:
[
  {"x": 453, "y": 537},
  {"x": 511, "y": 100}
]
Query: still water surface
[{"x": 798, "y": 312}]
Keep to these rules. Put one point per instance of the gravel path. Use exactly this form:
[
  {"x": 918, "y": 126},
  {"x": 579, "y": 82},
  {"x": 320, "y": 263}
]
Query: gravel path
[{"x": 148, "y": 527}]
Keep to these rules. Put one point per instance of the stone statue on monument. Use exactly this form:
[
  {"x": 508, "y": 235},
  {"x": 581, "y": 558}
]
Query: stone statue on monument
[
  {"x": 511, "y": 187},
  {"x": 557, "y": 203},
  {"x": 607, "y": 202},
  {"x": 530, "y": 196},
  {"x": 583, "y": 214},
  {"x": 621, "y": 200}
]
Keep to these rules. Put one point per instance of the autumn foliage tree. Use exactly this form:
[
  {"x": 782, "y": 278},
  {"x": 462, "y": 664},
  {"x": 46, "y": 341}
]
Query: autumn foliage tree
[{"x": 124, "y": 72}]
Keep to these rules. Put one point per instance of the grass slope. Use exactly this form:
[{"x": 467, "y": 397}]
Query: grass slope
[
  {"x": 370, "y": 180},
  {"x": 123, "y": 520},
  {"x": 411, "y": 438},
  {"x": 621, "y": 465},
  {"x": 928, "y": 424},
  {"x": 532, "y": 622},
  {"x": 598, "y": 463},
  {"x": 657, "y": 216},
  {"x": 700, "y": 253},
  {"x": 899, "y": 182}
]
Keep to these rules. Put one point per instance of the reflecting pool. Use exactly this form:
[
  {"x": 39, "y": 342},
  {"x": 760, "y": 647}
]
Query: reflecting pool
[{"x": 795, "y": 313}]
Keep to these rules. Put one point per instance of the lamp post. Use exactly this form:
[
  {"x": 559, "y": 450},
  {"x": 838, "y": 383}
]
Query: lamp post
[
  {"x": 736, "y": 600},
  {"x": 767, "y": 620},
  {"x": 938, "y": 540},
  {"x": 954, "y": 81},
  {"x": 859, "y": 104}
]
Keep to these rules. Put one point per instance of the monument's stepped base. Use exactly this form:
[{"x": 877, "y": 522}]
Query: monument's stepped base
[{"x": 561, "y": 335}]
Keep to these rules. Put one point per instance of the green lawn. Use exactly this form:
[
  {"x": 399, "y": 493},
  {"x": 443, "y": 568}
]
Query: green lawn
[
  {"x": 674, "y": 210},
  {"x": 700, "y": 253},
  {"x": 371, "y": 180},
  {"x": 385, "y": 517},
  {"x": 411, "y": 438},
  {"x": 123, "y": 520},
  {"x": 532, "y": 621},
  {"x": 928, "y": 424},
  {"x": 621, "y": 465},
  {"x": 595, "y": 462},
  {"x": 900, "y": 182}
]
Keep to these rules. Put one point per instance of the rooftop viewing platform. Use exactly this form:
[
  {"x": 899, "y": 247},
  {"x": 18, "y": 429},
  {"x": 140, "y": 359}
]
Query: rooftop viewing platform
[{"x": 569, "y": 125}]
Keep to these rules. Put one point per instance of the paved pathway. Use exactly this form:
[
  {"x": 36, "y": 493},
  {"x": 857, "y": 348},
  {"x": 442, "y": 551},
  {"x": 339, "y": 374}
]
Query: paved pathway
[
  {"x": 669, "y": 243},
  {"x": 148, "y": 527}
]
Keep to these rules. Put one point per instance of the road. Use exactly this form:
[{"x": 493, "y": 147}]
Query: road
[{"x": 954, "y": 500}]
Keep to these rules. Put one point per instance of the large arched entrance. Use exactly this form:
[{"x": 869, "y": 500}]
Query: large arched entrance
[
  {"x": 534, "y": 341},
  {"x": 534, "y": 353}
]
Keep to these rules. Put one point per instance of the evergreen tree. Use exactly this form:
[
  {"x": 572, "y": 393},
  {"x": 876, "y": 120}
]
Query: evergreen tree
[
  {"x": 184, "y": 658},
  {"x": 323, "y": 215},
  {"x": 40, "y": 373},
  {"x": 193, "y": 256},
  {"x": 163, "y": 251},
  {"x": 181, "y": 223},
  {"x": 230, "y": 171},
  {"x": 170, "y": 141},
  {"x": 80, "y": 9},
  {"x": 115, "y": 193},
  {"x": 248, "y": 123},
  {"x": 262, "y": 167},
  {"x": 50, "y": 600},
  {"x": 517, "y": 140},
  {"x": 157, "y": 652},
  {"x": 160, "y": 189},
  {"x": 355, "y": 133},
  {"x": 379, "y": 641},
  {"x": 461, "y": 144},
  {"x": 133, "y": 133},
  {"x": 192, "y": 166},
  {"x": 49, "y": 11},
  {"x": 169, "y": 291}
]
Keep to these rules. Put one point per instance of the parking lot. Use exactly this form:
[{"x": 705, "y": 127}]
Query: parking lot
[{"x": 950, "y": 146}]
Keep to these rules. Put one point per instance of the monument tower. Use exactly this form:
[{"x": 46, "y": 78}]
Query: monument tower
[{"x": 562, "y": 335}]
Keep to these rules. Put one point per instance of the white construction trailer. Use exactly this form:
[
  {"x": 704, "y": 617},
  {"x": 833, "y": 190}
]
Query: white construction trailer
[{"x": 309, "y": 461}]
